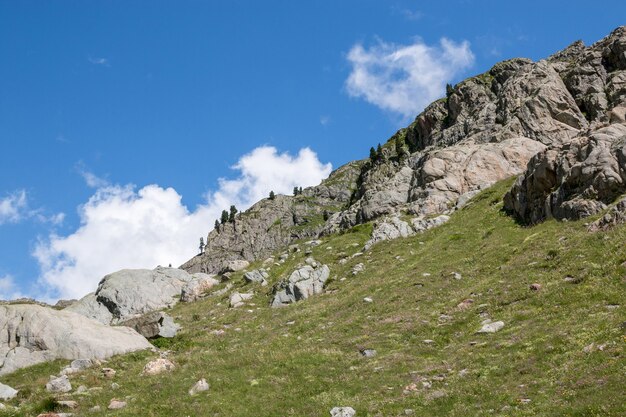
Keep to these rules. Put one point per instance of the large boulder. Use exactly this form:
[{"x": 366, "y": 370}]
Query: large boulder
[
  {"x": 33, "y": 334},
  {"x": 6, "y": 392},
  {"x": 197, "y": 287},
  {"x": 301, "y": 284},
  {"x": 151, "y": 325},
  {"x": 131, "y": 293}
]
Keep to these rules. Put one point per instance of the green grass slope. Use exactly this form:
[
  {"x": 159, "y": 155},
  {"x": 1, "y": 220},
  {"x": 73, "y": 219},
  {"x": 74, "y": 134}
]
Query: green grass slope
[{"x": 560, "y": 353}]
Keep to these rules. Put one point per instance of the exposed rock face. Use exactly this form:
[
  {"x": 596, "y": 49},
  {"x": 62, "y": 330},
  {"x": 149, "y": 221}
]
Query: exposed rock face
[
  {"x": 151, "y": 325},
  {"x": 272, "y": 224},
  {"x": 582, "y": 175},
  {"x": 301, "y": 284},
  {"x": 6, "y": 392},
  {"x": 131, "y": 293},
  {"x": 258, "y": 276},
  {"x": 34, "y": 334},
  {"x": 616, "y": 215},
  {"x": 197, "y": 287},
  {"x": 559, "y": 122}
]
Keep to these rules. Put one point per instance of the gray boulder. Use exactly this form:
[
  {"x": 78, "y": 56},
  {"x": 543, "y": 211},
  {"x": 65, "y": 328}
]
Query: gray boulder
[
  {"x": 151, "y": 325},
  {"x": 258, "y": 276},
  {"x": 131, "y": 293},
  {"x": 301, "y": 284},
  {"x": 388, "y": 229},
  {"x": 6, "y": 392},
  {"x": 197, "y": 287},
  {"x": 342, "y": 412},
  {"x": 616, "y": 215},
  {"x": 34, "y": 334},
  {"x": 60, "y": 384},
  {"x": 238, "y": 299}
]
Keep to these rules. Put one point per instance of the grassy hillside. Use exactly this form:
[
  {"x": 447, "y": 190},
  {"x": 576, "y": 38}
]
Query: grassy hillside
[{"x": 561, "y": 351}]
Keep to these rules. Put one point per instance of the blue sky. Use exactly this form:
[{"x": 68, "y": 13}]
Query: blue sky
[{"x": 169, "y": 97}]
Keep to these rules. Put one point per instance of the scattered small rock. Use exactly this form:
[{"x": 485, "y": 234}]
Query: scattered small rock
[
  {"x": 535, "y": 287},
  {"x": 115, "y": 385},
  {"x": 456, "y": 275},
  {"x": 158, "y": 366},
  {"x": 237, "y": 299},
  {"x": 6, "y": 392},
  {"x": 342, "y": 412},
  {"x": 409, "y": 412},
  {"x": 368, "y": 300},
  {"x": 428, "y": 341},
  {"x": 108, "y": 372},
  {"x": 465, "y": 304},
  {"x": 68, "y": 404},
  {"x": 116, "y": 404},
  {"x": 491, "y": 327},
  {"x": 368, "y": 353},
  {"x": 199, "y": 386},
  {"x": 59, "y": 384},
  {"x": 358, "y": 268}
]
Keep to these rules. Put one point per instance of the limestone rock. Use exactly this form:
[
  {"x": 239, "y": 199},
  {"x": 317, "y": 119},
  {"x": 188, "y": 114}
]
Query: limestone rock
[
  {"x": 342, "y": 412},
  {"x": 199, "y": 386},
  {"x": 131, "y": 293},
  {"x": 199, "y": 285},
  {"x": 115, "y": 404},
  {"x": 35, "y": 334},
  {"x": 388, "y": 229},
  {"x": 237, "y": 299},
  {"x": 6, "y": 392},
  {"x": 301, "y": 284},
  {"x": 258, "y": 276},
  {"x": 151, "y": 325},
  {"x": 158, "y": 366},
  {"x": 235, "y": 265},
  {"x": 616, "y": 215},
  {"x": 491, "y": 327},
  {"x": 60, "y": 384}
]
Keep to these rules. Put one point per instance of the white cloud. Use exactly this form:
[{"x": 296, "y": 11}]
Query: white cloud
[
  {"x": 98, "y": 61},
  {"x": 405, "y": 78},
  {"x": 8, "y": 289},
  {"x": 14, "y": 207},
  {"x": 122, "y": 227}
]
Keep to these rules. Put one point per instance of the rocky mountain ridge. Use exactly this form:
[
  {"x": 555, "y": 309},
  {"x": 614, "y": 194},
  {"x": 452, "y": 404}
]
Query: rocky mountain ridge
[{"x": 559, "y": 122}]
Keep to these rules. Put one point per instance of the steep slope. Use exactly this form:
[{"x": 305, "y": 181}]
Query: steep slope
[
  {"x": 560, "y": 352},
  {"x": 565, "y": 115}
]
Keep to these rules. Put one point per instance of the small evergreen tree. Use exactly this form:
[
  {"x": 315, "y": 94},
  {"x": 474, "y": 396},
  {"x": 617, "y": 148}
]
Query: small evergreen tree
[
  {"x": 300, "y": 190},
  {"x": 449, "y": 90},
  {"x": 217, "y": 224},
  {"x": 295, "y": 191},
  {"x": 272, "y": 195},
  {"x": 201, "y": 245},
  {"x": 224, "y": 217},
  {"x": 372, "y": 154},
  {"x": 379, "y": 153},
  {"x": 231, "y": 216}
]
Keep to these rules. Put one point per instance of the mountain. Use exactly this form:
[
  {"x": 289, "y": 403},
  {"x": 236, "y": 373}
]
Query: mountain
[{"x": 498, "y": 289}]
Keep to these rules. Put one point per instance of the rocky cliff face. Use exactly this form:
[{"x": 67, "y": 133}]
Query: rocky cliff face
[{"x": 559, "y": 122}]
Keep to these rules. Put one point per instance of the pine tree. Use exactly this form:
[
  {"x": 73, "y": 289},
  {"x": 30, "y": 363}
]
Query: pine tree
[
  {"x": 295, "y": 191},
  {"x": 449, "y": 90},
  {"x": 300, "y": 191},
  {"x": 272, "y": 195},
  {"x": 233, "y": 211},
  {"x": 201, "y": 245},
  {"x": 379, "y": 153},
  {"x": 372, "y": 154},
  {"x": 217, "y": 224},
  {"x": 224, "y": 218}
]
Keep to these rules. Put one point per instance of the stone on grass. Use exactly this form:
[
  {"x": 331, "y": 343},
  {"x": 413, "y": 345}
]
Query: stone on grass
[
  {"x": 368, "y": 300},
  {"x": 68, "y": 404},
  {"x": 491, "y": 327},
  {"x": 237, "y": 299},
  {"x": 155, "y": 324},
  {"x": 158, "y": 366},
  {"x": 199, "y": 386},
  {"x": 535, "y": 287},
  {"x": 197, "y": 287},
  {"x": 236, "y": 265},
  {"x": 59, "y": 384},
  {"x": 342, "y": 412},
  {"x": 108, "y": 372},
  {"x": 257, "y": 276},
  {"x": 116, "y": 404},
  {"x": 6, "y": 392},
  {"x": 368, "y": 353},
  {"x": 301, "y": 284}
]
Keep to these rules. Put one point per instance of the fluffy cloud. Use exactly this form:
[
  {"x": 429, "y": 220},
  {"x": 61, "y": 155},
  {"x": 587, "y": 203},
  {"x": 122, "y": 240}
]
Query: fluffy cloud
[
  {"x": 13, "y": 207},
  {"x": 405, "y": 78},
  {"x": 122, "y": 227},
  {"x": 8, "y": 289}
]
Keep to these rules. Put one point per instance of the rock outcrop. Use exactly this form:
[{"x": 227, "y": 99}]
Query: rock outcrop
[
  {"x": 130, "y": 293},
  {"x": 301, "y": 284},
  {"x": 151, "y": 325},
  {"x": 33, "y": 334}
]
